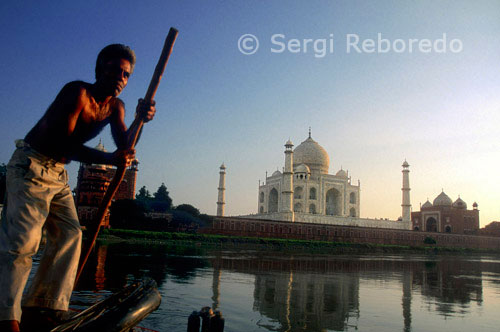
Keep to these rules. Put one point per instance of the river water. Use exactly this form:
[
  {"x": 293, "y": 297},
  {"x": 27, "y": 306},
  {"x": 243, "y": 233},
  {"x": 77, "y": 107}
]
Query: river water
[{"x": 262, "y": 290}]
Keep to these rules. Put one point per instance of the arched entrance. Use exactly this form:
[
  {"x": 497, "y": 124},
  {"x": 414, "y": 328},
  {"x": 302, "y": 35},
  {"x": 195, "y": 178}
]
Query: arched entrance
[
  {"x": 273, "y": 201},
  {"x": 297, "y": 193},
  {"x": 332, "y": 202},
  {"x": 297, "y": 207},
  {"x": 431, "y": 225}
]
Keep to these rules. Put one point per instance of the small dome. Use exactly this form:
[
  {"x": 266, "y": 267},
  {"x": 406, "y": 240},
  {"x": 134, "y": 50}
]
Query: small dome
[
  {"x": 442, "y": 200},
  {"x": 222, "y": 166},
  {"x": 303, "y": 168},
  {"x": 289, "y": 143},
  {"x": 460, "y": 204},
  {"x": 276, "y": 173},
  {"x": 342, "y": 173},
  {"x": 474, "y": 205},
  {"x": 100, "y": 147},
  {"x": 405, "y": 164},
  {"x": 427, "y": 204},
  {"x": 313, "y": 155}
]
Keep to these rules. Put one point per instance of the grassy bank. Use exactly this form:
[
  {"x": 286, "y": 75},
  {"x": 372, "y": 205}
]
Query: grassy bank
[{"x": 267, "y": 243}]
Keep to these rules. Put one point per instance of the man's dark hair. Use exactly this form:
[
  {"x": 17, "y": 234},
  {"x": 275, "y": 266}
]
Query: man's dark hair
[{"x": 114, "y": 51}]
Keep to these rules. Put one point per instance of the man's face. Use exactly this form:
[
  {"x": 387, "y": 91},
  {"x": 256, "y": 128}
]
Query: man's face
[{"x": 114, "y": 76}]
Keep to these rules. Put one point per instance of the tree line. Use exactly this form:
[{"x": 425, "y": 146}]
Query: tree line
[
  {"x": 145, "y": 211},
  {"x": 155, "y": 212}
]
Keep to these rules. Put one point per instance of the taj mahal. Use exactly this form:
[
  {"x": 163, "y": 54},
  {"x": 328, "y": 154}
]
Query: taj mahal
[
  {"x": 305, "y": 192},
  {"x": 314, "y": 190}
]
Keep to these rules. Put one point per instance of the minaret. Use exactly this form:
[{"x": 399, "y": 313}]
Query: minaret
[
  {"x": 406, "y": 216},
  {"x": 287, "y": 189},
  {"x": 222, "y": 188}
]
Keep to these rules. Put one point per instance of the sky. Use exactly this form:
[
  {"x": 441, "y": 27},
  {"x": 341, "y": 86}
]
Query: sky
[{"x": 370, "y": 107}]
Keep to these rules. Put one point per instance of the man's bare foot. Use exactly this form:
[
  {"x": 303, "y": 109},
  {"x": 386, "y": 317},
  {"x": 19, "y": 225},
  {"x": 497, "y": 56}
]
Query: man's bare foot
[{"x": 9, "y": 325}]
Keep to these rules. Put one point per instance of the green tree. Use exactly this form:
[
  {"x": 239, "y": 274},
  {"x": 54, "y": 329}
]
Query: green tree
[
  {"x": 162, "y": 201},
  {"x": 143, "y": 194},
  {"x": 189, "y": 209},
  {"x": 126, "y": 213}
]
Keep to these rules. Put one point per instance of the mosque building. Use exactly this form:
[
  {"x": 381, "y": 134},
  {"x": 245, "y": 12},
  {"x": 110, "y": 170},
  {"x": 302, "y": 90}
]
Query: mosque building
[
  {"x": 445, "y": 216},
  {"x": 305, "y": 192}
]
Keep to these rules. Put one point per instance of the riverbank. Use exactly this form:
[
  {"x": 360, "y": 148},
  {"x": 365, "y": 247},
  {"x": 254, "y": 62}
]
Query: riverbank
[{"x": 222, "y": 241}]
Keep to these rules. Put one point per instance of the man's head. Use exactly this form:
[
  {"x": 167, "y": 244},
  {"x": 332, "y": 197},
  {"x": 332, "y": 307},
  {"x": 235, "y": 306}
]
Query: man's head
[{"x": 112, "y": 52}]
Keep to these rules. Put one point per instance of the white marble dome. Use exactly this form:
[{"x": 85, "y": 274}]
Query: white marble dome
[
  {"x": 100, "y": 147},
  {"x": 276, "y": 173},
  {"x": 302, "y": 168},
  {"x": 442, "y": 200},
  {"x": 342, "y": 173},
  {"x": 313, "y": 155}
]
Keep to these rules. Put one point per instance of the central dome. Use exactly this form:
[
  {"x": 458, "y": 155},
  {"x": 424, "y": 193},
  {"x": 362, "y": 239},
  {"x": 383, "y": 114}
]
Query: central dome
[
  {"x": 313, "y": 155},
  {"x": 442, "y": 200}
]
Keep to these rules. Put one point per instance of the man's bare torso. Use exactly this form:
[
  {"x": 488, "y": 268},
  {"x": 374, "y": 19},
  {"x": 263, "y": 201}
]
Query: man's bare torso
[{"x": 72, "y": 119}]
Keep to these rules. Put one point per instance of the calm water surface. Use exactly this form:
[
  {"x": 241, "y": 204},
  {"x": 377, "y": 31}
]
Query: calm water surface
[{"x": 279, "y": 291}]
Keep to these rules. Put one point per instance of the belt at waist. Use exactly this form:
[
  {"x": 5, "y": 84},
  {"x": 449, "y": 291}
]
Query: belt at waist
[{"x": 43, "y": 159}]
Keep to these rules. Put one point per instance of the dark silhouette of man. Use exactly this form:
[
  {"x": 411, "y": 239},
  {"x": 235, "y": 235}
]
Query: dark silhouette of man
[{"x": 38, "y": 193}]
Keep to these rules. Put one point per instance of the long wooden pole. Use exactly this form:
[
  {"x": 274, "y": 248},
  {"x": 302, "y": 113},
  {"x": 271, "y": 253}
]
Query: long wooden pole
[{"x": 135, "y": 129}]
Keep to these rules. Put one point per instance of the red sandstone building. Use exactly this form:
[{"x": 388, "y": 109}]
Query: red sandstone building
[
  {"x": 93, "y": 181},
  {"x": 445, "y": 216},
  {"x": 492, "y": 229}
]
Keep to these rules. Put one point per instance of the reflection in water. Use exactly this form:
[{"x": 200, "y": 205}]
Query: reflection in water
[
  {"x": 406, "y": 302},
  {"x": 113, "y": 266},
  {"x": 453, "y": 284},
  {"x": 100, "y": 273},
  {"x": 299, "y": 292},
  {"x": 216, "y": 288},
  {"x": 315, "y": 294},
  {"x": 308, "y": 302}
]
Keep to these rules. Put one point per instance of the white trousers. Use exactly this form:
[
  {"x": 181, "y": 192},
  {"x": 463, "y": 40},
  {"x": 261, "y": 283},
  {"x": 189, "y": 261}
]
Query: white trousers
[{"x": 38, "y": 195}]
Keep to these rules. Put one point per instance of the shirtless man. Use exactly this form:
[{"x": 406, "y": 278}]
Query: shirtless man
[{"x": 37, "y": 186}]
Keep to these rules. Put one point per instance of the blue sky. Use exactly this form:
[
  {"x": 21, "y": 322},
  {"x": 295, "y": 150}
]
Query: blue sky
[{"x": 370, "y": 111}]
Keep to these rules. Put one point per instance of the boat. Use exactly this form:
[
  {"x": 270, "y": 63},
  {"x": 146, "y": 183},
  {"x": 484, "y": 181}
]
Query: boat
[{"x": 120, "y": 312}]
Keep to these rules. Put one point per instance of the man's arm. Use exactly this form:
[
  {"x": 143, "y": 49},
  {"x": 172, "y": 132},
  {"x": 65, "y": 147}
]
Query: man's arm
[
  {"x": 121, "y": 157},
  {"x": 118, "y": 128}
]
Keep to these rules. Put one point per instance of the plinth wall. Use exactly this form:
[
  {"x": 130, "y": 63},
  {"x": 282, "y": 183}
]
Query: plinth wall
[{"x": 237, "y": 226}]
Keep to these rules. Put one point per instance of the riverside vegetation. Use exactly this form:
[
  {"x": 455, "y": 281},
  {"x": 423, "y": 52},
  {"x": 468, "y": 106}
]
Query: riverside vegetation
[{"x": 231, "y": 242}]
